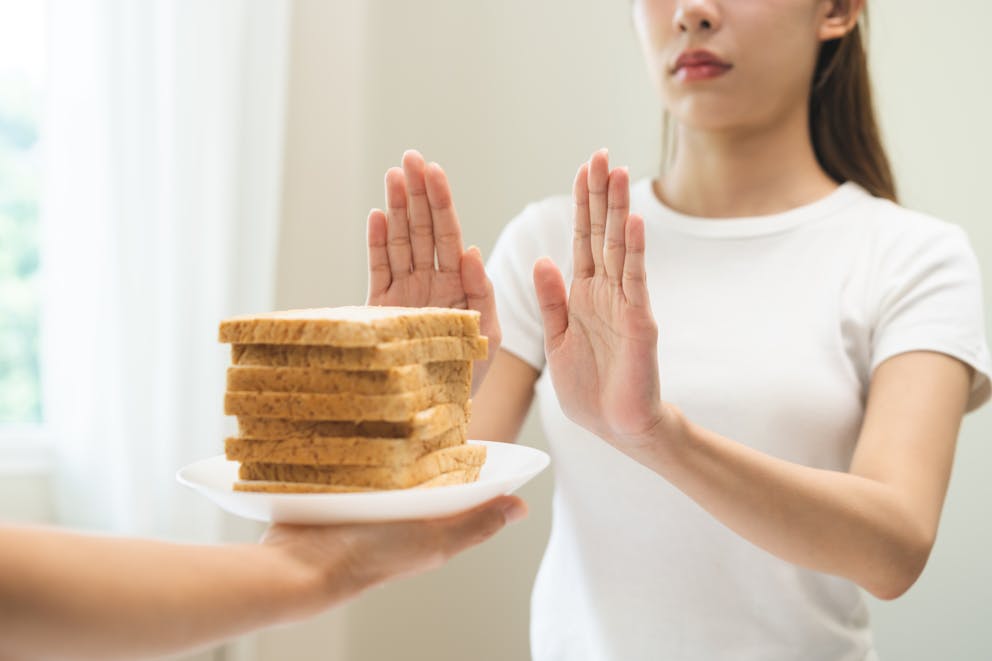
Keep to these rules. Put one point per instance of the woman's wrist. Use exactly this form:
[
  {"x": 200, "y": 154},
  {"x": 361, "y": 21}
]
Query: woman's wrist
[{"x": 663, "y": 442}]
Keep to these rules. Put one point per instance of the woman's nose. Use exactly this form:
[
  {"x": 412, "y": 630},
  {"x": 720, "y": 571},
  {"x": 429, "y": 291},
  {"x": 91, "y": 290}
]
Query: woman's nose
[{"x": 696, "y": 16}]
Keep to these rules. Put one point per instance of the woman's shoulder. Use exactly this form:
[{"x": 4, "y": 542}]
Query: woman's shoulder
[
  {"x": 900, "y": 224},
  {"x": 900, "y": 242}
]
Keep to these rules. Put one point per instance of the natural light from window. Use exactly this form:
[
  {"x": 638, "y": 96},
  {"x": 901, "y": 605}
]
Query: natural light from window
[{"x": 22, "y": 77}]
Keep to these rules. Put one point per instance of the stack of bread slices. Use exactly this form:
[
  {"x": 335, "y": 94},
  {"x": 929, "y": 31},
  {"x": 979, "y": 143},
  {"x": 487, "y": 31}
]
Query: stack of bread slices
[{"x": 358, "y": 398}]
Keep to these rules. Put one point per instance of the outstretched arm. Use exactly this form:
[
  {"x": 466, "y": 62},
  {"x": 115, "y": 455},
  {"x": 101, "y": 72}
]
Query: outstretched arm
[
  {"x": 68, "y": 595},
  {"x": 874, "y": 525}
]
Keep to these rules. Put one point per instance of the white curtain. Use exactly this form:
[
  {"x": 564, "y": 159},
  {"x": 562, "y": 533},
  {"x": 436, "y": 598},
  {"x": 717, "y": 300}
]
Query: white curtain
[{"x": 163, "y": 145}]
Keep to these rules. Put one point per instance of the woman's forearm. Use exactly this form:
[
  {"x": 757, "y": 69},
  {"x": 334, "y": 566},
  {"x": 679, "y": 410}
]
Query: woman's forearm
[
  {"x": 829, "y": 521},
  {"x": 79, "y": 596}
]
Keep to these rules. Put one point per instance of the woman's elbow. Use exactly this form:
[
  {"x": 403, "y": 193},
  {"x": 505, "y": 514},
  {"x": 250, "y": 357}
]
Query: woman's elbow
[{"x": 901, "y": 572}]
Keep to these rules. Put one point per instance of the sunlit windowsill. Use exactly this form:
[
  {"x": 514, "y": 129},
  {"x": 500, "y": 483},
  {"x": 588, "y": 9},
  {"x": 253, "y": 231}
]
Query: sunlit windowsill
[{"x": 25, "y": 451}]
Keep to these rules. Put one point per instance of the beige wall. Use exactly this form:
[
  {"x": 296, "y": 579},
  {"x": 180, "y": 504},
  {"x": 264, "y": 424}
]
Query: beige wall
[
  {"x": 935, "y": 99},
  {"x": 510, "y": 97}
]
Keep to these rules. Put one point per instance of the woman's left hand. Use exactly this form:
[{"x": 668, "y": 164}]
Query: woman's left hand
[{"x": 601, "y": 340}]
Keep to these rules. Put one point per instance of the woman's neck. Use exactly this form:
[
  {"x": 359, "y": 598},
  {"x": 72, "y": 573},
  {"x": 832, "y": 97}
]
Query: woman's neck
[{"x": 744, "y": 173}]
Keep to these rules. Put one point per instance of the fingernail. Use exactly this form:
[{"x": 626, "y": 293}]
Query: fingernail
[
  {"x": 514, "y": 511},
  {"x": 474, "y": 248},
  {"x": 604, "y": 151}
]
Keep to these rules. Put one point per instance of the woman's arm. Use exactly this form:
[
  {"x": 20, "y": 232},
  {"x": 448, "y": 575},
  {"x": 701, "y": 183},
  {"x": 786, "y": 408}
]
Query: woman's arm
[
  {"x": 501, "y": 405},
  {"x": 874, "y": 525},
  {"x": 68, "y": 595}
]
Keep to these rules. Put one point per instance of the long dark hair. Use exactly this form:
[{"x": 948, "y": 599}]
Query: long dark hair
[{"x": 842, "y": 120}]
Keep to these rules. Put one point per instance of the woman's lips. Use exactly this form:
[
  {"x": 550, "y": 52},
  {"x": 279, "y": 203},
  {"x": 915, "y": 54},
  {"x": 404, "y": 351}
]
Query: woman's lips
[{"x": 699, "y": 65}]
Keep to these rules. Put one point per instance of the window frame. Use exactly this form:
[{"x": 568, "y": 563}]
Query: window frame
[{"x": 26, "y": 450}]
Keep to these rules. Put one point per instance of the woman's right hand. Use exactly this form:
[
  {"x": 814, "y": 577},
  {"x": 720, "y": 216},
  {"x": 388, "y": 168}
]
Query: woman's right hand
[{"x": 416, "y": 256}]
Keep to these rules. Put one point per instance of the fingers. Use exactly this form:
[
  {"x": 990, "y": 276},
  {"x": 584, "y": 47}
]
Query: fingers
[
  {"x": 479, "y": 295},
  {"x": 475, "y": 526},
  {"x": 581, "y": 249},
  {"x": 390, "y": 550},
  {"x": 397, "y": 225},
  {"x": 635, "y": 284},
  {"x": 421, "y": 219},
  {"x": 379, "y": 275},
  {"x": 447, "y": 231},
  {"x": 419, "y": 210},
  {"x": 618, "y": 207},
  {"x": 356, "y": 556},
  {"x": 598, "y": 181},
  {"x": 602, "y": 204},
  {"x": 550, "y": 287}
]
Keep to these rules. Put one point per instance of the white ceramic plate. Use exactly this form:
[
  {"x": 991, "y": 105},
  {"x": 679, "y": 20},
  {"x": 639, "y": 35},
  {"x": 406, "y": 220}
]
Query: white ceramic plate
[{"x": 508, "y": 466}]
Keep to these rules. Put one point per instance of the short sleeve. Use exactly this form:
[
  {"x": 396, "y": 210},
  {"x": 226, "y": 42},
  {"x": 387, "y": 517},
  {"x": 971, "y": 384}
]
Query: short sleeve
[
  {"x": 931, "y": 299},
  {"x": 534, "y": 233}
]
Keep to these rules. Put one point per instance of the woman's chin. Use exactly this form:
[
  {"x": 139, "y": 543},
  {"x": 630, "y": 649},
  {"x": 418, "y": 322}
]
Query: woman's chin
[
  {"x": 710, "y": 115},
  {"x": 719, "y": 111}
]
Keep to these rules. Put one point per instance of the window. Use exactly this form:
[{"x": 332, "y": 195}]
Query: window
[{"x": 22, "y": 75}]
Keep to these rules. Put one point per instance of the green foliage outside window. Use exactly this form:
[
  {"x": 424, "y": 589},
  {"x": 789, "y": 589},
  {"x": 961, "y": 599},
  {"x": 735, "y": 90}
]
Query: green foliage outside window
[{"x": 20, "y": 390}]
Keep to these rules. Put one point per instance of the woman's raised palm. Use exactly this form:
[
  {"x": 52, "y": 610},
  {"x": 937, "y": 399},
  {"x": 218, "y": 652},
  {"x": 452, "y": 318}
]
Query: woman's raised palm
[
  {"x": 601, "y": 339},
  {"x": 416, "y": 256}
]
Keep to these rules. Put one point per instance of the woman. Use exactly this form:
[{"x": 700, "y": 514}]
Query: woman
[{"x": 753, "y": 388}]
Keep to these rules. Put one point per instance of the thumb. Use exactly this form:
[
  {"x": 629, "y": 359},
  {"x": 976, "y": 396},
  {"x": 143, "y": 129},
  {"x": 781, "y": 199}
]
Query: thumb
[
  {"x": 412, "y": 547},
  {"x": 465, "y": 530},
  {"x": 550, "y": 287},
  {"x": 479, "y": 293}
]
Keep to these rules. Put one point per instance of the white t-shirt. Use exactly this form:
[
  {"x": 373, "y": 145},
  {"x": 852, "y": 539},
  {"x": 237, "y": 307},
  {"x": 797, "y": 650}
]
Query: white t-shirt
[{"x": 769, "y": 329}]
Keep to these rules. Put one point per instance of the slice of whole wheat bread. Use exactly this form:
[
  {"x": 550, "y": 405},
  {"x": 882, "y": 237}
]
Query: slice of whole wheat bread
[
  {"x": 380, "y": 356},
  {"x": 398, "y": 407},
  {"x": 424, "y": 424},
  {"x": 459, "y": 457},
  {"x": 444, "y": 479},
  {"x": 340, "y": 451},
  {"x": 350, "y": 326},
  {"x": 365, "y": 382}
]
